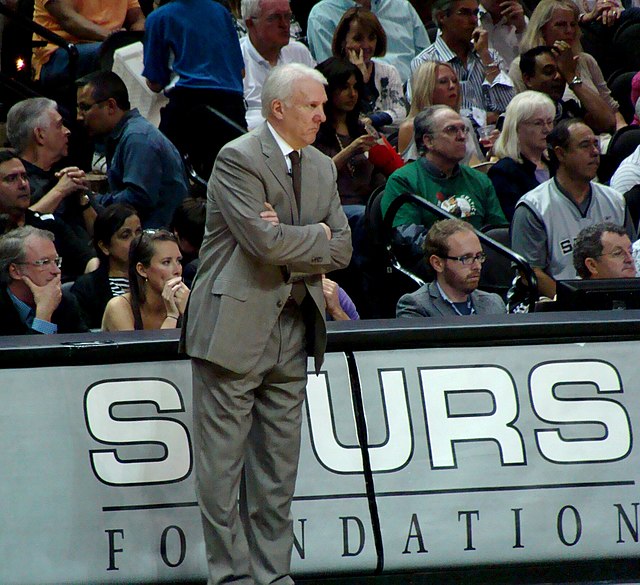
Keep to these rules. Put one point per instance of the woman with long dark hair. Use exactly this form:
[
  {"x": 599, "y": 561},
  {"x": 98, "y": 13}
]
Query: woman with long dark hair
[
  {"x": 113, "y": 231},
  {"x": 157, "y": 296},
  {"x": 343, "y": 136}
]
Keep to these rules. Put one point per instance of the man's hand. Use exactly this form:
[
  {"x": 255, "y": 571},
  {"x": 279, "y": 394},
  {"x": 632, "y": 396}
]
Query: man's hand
[
  {"x": 70, "y": 180},
  {"x": 480, "y": 39},
  {"x": 513, "y": 13},
  {"x": 567, "y": 63},
  {"x": 332, "y": 299},
  {"x": 327, "y": 230},
  {"x": 270, "y": 215},
  {"x": 47, "y": 297}
]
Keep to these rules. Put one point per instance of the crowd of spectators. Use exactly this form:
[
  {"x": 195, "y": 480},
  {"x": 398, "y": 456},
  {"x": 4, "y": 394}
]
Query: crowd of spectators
[{"x": 499, "y": 116}]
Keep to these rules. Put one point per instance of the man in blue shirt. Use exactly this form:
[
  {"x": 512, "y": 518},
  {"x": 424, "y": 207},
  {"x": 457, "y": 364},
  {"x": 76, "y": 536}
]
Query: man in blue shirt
[
  {"x": 144, "y": 169},
  {"x": 191, "y": 51}
]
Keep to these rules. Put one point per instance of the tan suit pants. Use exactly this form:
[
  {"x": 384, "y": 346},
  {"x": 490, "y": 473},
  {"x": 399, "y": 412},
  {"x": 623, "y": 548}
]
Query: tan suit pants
[{"x": 247, "y": 443}]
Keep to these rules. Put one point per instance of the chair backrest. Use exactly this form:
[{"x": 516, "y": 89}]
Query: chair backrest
[
  {"x": 622, "y": 145},
  {"x": 626, "y": 45},
  {"x": 385, "y": 280},
  {"x": 497, "y": 272},
  {"x": 620, "y": 85}
]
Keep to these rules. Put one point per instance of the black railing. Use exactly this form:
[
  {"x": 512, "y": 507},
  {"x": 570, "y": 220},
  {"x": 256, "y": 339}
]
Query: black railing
[
  {"x": 45, "y": 33},
  {"x": 523, "y": 266}
]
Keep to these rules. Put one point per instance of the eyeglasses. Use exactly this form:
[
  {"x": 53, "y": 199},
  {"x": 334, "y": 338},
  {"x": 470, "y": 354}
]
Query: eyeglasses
[
  {"x": 84, "y": 108},
  {"x": 468, "y": 259},
  {"x": 273, "y": 18},
  {"x": 619, "y": 254},
  {"x": 44, "y": 262},
  {"x": 454, "y": 130},
  {"x": 467, "y": 12},
  {"x": 540, "y": 123}
]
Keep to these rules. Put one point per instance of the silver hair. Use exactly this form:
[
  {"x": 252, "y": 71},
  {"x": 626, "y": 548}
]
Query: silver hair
[
  {"x": 24, "y": 117},
  {"x": 250, "y": 9},
  {"x": 12, "y": 248},
  {"x": 424, "y": 124},
  {"x": 282, "y": 81},
  {"x": 522, "y": 107}
]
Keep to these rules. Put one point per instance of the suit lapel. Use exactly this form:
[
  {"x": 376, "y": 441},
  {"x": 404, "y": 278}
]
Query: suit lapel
[
  {"x": 438, "y": 302},
  {"x": 278, "y": 166},
  {"x": 309, "y": 185}
]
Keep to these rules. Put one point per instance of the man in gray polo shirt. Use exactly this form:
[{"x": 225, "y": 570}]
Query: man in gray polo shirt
[{"x": 548, "y": 218}]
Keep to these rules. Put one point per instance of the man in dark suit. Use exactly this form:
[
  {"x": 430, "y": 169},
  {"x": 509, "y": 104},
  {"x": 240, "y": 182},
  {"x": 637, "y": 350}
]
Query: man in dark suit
[
  {"x": 31, "y": 299},
  {"x": 274, "y": 226},
  {"x": 454, "y": 253}
]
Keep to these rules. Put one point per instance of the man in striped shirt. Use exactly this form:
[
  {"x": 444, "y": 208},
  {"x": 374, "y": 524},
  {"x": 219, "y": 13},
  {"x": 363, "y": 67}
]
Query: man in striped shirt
[{"x": 486, "y": 86}]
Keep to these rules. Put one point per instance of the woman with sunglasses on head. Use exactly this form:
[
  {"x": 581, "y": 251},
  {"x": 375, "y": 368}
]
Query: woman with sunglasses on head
[
  {"x": 435, "y": 83},
  {"x": 360, "y": 38},
  {"x": 114, "y": 229},
  {"x": 157, "y": 296}
]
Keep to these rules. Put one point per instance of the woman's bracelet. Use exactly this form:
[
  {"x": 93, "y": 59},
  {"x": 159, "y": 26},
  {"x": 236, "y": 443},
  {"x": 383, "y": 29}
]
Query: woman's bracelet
[{"x": 172, "y": 317}]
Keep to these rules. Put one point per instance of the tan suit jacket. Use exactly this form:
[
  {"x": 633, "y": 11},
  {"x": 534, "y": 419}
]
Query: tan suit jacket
[{"x": 241, "y": 286}]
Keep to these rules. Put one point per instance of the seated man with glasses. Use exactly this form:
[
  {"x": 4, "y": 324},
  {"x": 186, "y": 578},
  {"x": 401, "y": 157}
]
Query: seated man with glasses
[
  {"x": 603, "y": 250},
  {"x": 31, "y": 299},
  {"x": 454, "y": 253},
  {"x": 486, "y": 86},
  {"x": 437, "y": 176}
]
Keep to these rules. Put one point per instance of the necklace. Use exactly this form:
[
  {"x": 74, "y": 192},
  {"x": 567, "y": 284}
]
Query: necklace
[{"x": 350, "y": 166}]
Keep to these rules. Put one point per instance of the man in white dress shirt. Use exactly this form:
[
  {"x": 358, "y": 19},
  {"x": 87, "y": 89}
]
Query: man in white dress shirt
[{"x": 266, "y": 45}]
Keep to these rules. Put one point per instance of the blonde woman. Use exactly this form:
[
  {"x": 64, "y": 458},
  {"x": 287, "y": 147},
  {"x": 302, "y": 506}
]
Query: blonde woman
[
  {"x": 435, "y": 83},
  {"x": 521, "y": 147}
]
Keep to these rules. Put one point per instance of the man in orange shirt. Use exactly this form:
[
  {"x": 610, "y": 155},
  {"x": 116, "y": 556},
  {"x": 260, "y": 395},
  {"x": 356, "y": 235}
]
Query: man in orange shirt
[{"x": 84, "y": 22}]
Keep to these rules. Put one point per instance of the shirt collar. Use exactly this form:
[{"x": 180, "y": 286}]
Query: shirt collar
[
  {"x": 24, "y": 310},
  {"x": 452, "y": 303},
  {"x": 116, "y": 133},
  {"x": 435, "y": 171},
  {"x": 283, "y": 145},
  {"x": 569, "y": 196}
]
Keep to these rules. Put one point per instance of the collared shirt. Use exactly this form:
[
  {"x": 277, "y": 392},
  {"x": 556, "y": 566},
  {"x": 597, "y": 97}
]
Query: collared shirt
[
  {"x": 406, "y": 35},
  {"x": 27, "y": 315},
  {"x": 145, "y": 170},
  {"x": 256, "y": 70},
  {"x": 459, "y": 308},
  {"x": 283, "y": 145},
  {"x": 479, "y": 96},
  {"x": 502, "y": 36}
]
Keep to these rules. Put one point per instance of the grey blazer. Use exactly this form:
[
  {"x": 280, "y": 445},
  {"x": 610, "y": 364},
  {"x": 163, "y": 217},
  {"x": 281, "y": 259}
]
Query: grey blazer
[
  {"x": 428, "y": 302},
  {"x": 241, "y": 284}
]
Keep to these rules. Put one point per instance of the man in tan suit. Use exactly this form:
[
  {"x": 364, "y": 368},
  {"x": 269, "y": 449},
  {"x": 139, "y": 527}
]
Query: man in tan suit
[{"x": 256, "y": 312}]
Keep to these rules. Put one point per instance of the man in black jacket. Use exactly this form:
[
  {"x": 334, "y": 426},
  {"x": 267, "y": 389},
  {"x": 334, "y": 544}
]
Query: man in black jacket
[
  {"x": 31, "y": 299},
  {"x": 15, "y": 199}
]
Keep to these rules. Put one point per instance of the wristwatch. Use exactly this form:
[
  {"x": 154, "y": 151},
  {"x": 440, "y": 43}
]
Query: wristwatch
[
  {"x": 85, "y": 202},
  {"x": 577, "y": 80}
]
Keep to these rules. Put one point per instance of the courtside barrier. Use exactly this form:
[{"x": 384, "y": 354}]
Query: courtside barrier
[{"x": 497, "y": 442}]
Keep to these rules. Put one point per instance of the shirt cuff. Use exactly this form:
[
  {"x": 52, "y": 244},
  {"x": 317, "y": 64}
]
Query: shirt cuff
[
  {"x": 380, "y": 119},
  {"x": 44, "y": 327}
]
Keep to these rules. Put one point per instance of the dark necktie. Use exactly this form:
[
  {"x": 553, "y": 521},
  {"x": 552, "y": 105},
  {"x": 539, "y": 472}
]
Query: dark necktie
[
  {"x": 296, "y": 175},
  {"x": 299, "y": 290}
]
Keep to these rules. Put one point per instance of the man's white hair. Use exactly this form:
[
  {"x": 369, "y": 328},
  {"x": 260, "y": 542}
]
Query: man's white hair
[
  {"x": 281, "y": 83},
  {"x": 24, "y": 117}
]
